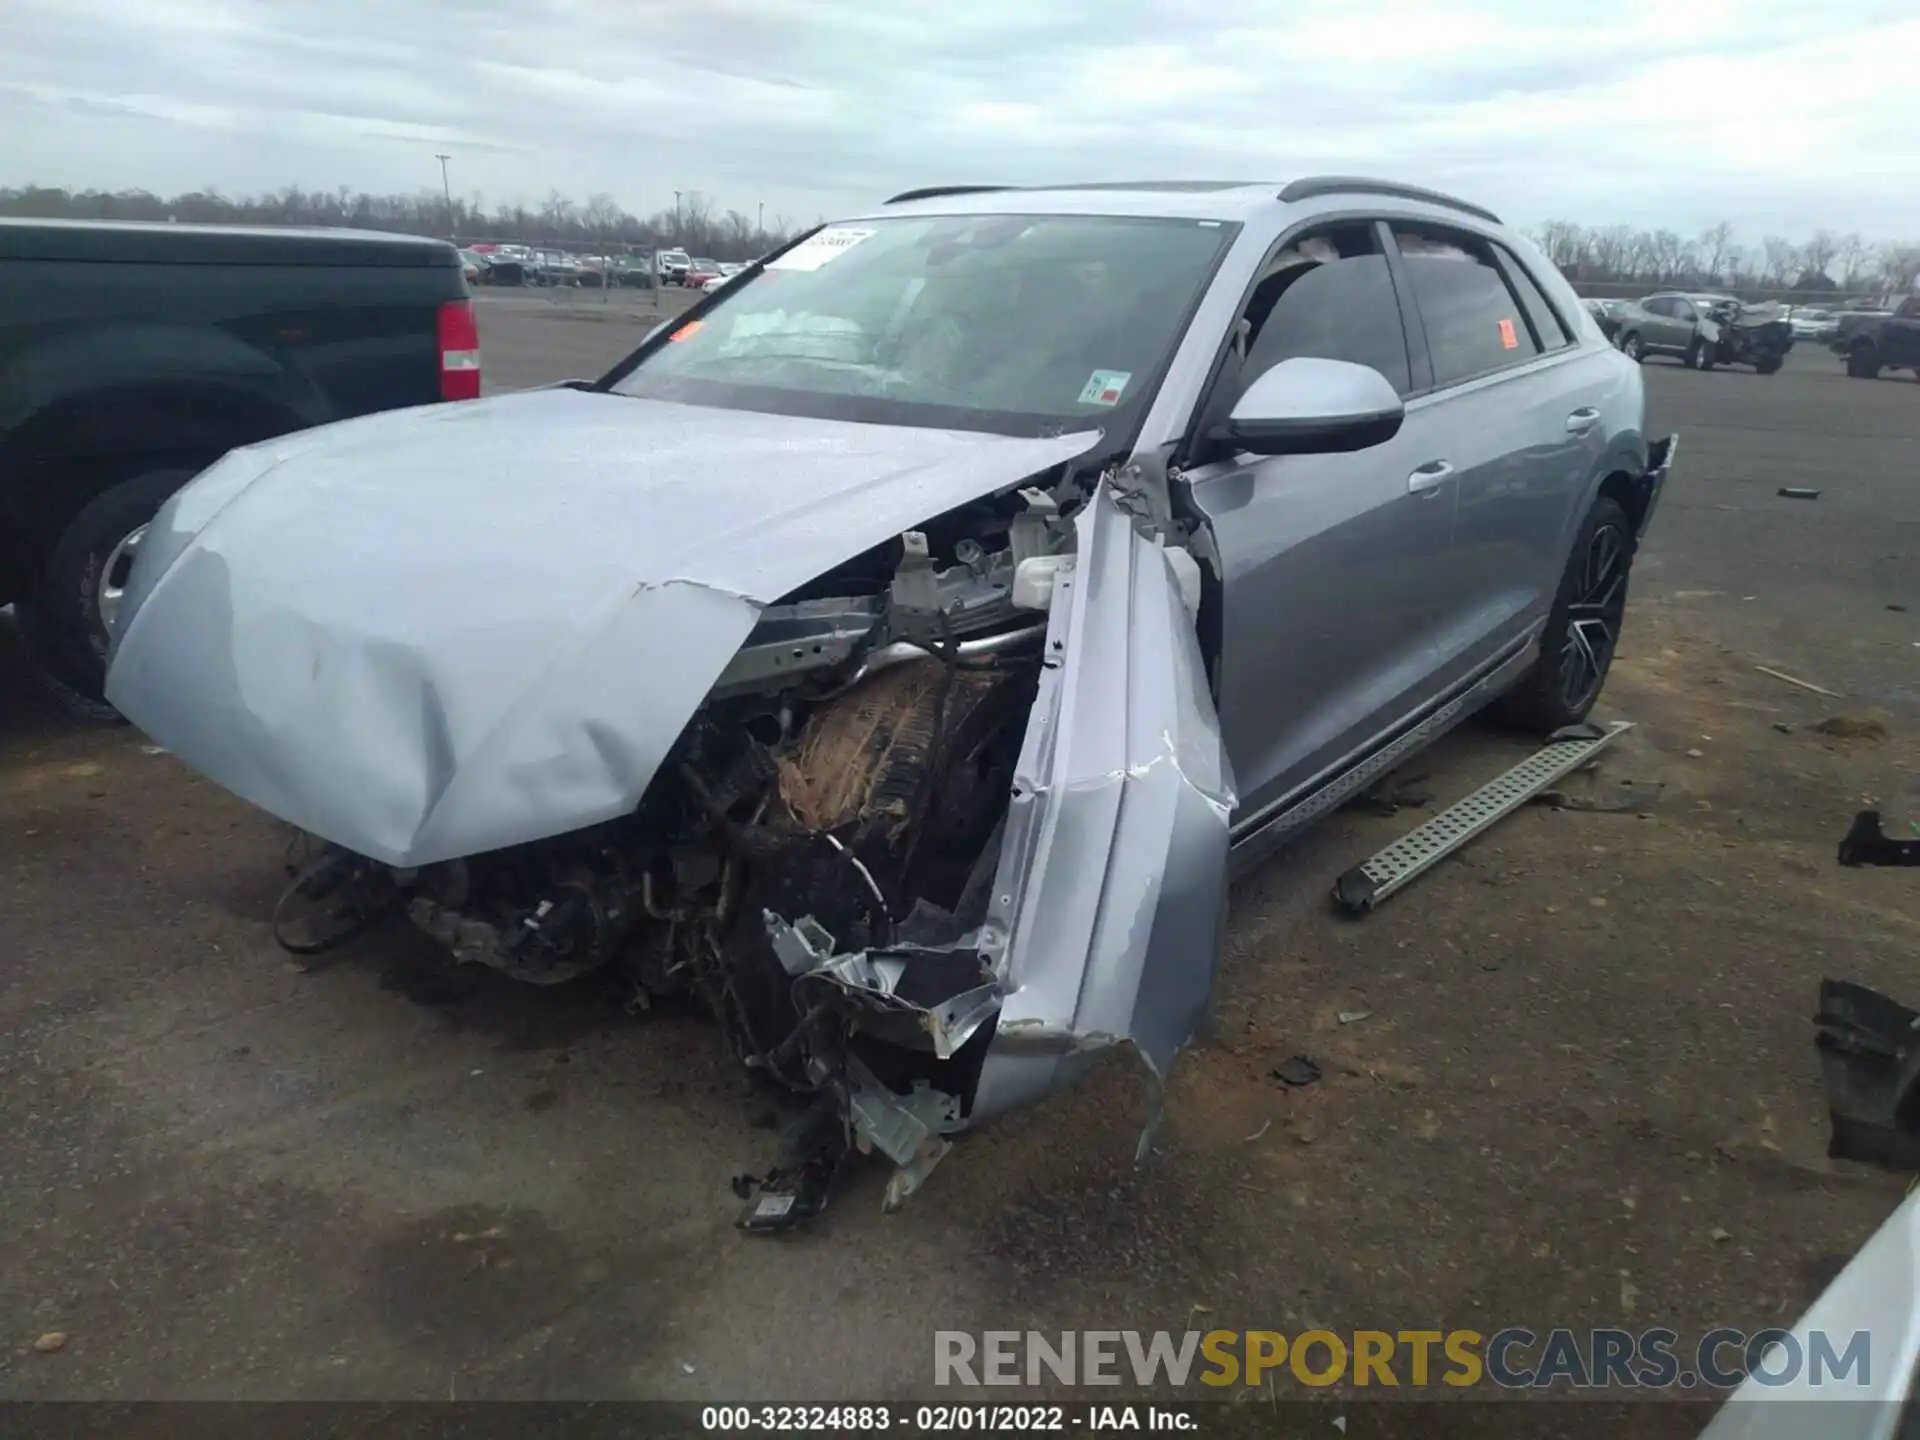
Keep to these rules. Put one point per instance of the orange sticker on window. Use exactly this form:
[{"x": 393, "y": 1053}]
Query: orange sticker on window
[
  {"x": 693, "y": 327},
  {"x": 1509, "y": 337}
]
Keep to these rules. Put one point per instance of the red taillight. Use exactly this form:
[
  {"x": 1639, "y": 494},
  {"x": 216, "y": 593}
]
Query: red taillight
[{"x": 459, "y": 351}]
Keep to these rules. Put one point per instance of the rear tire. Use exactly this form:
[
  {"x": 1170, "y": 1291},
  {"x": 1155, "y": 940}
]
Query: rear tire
[
  {"x": 1862, "y": 364},
  {"x": 1699, "y": 356},
  {"x": 1769, "y": 367},
  {"x": 1583, "y": 627},
  {"x": 1632, "y": 348},
  {"x": 66, "y": 624}
]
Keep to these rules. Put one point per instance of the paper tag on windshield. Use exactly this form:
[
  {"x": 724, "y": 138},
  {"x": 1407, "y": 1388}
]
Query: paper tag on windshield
[
  {"x": 1105, "y": 387},
  {"x": 817, "y": 250}
]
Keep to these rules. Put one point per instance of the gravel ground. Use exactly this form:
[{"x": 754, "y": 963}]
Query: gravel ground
[{"x": 1585, "y": 1092}]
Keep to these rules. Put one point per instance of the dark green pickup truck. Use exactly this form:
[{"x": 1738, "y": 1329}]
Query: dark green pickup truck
[{"x": 133, "y": 356}]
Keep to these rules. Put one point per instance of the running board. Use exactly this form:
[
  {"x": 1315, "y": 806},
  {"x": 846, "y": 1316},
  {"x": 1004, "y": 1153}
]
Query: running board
[{"x": 1367, "y": 884}]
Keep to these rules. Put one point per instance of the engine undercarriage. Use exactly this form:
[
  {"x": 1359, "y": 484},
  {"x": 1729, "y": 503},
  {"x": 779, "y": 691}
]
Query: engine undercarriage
[{"x": 810, "y": 860}]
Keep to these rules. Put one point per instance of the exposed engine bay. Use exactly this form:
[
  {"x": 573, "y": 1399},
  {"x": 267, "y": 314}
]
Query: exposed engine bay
[{"x": 811, "y": 859}]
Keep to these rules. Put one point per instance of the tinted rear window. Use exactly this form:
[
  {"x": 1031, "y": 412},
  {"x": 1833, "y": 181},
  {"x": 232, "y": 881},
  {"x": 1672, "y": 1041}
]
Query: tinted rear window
[
  {"x": 1547, "y": 325},
  {"x": 1474, "y": 323}
]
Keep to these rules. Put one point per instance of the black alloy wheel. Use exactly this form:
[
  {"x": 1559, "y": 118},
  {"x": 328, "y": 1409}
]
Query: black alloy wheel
[{"x": 1594, "y": 616}]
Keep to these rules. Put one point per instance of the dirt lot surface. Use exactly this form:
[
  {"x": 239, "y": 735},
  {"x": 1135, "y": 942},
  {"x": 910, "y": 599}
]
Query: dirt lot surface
[{"x": 1585, "y": 1091}]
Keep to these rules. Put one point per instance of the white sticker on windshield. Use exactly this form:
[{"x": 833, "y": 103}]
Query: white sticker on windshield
[
  {"x": 1105, "y": 387},
  {"x": 817, "y": 250}
]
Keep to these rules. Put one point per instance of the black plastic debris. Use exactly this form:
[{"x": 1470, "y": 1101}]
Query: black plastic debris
[
  {"x": 811, "y": 1152},
  {"x": 1297, "y": 1070},
  {"x": 1798, "y": 492},
  {"x": 1867, "y": 844},
  {"x": 1870, "y": 1057}
]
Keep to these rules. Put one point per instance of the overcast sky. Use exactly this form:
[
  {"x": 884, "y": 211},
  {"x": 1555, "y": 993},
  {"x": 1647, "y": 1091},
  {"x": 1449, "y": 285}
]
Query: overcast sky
[{"x": 1657, "y": 112}]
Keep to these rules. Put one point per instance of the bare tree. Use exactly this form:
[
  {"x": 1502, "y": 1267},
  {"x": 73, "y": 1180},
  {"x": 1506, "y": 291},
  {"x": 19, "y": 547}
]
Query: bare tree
[
  {"x": 1564, "y": 243},
  {"x": 1715, "y": 241},
  {"x": 1851, "y": 253},
  {"x": 1780, "y": 254},
  {"x": 1899, "y": 266},
  {"x": 1669, "y": 255},
  {"x": 555, "y": 211},
  {"x": 1642, "y": 259},
  {"x": 1818, "y": 253},
  {"x": 601, "y": 214},
  {"x": 1611, "y": 248}
]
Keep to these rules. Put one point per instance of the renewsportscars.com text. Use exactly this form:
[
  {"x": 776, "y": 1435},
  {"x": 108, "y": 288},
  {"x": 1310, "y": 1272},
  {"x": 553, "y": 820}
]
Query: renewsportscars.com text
[{"x": 1515, "y": 1358}]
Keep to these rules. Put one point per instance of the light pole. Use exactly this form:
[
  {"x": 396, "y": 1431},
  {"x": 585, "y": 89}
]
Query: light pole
[
  {"x": 760, "y": 224},
  {"x": 447, "y": 190},
  {"x": 676, "y": 217}
]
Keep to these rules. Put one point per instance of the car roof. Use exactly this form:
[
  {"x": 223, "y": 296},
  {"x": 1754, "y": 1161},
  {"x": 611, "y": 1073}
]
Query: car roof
[{"x": 1250, "y": 202}]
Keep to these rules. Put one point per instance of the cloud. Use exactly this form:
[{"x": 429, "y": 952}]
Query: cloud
[{"x": 1777, "y": 117}]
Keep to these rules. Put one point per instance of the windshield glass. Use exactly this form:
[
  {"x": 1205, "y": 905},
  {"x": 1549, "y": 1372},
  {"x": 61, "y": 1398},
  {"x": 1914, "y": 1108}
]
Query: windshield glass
[{"x": 1021, "y": 324}]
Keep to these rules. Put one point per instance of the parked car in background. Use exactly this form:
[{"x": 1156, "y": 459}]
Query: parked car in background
[
  {"x": 1704, "y": 330},
  {"x": 1874, "y": 341},
  {"x": 1604, "y": 314},
  {"x": 475, "y": 266},
  {"x": 504, "y": 268},
  {"x": 672, "y": 266},
  {"x": 715, "y": 282},
  {"x": 881, "y": 649},
  {"x": 631, "y": 270},
  {"x": 700, "y": 271},
  {"x": 133, "y": 356},
  {"x": 1813, "y": 323},
  {"x": 555, "y": 267}
]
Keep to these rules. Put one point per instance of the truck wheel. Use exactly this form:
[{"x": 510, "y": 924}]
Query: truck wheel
[
  {"x": 1862, "y": 364},
  {"x": 67, "y": 625},
  {"x": 1631, "y": 347},
  {"x": 1583, "y": 627},
  {"x": 1769, "y": 366}
]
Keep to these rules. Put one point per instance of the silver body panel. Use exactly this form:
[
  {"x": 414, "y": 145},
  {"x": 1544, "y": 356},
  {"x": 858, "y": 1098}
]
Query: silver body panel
[
  {"x": 1110, "y": 895},
  {"x": 447, "y": 631},
  {"x": 360, "y": 646}
]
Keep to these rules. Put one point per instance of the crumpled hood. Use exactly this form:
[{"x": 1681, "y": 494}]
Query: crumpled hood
[{"x": 436, "y": 632}]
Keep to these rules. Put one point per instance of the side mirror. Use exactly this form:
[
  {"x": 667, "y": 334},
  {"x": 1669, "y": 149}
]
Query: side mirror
[{"x": 1308, "y": 406}]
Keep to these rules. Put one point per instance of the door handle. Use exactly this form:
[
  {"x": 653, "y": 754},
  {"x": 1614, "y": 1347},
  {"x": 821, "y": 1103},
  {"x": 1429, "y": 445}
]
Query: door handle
[
  {"x": 1429, "y": 477},
  {"x": 1585, "y": 418}
]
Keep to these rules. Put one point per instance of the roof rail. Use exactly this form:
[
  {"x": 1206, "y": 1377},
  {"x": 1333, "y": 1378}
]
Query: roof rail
[
  {"x": 1314, "y": 186},
  {"x": 934, "y": 192}
]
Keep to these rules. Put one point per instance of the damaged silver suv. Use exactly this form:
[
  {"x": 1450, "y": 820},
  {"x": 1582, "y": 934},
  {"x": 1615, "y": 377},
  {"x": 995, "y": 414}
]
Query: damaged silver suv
[{"x": 893, "y": 652}]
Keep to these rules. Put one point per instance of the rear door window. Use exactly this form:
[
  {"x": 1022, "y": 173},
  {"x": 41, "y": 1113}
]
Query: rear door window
[
  {"x": 1548, "y": 328},
  {"x": 1474, "y": 322}
]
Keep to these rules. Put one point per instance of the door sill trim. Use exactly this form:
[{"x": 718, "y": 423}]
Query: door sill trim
[{"x": 1260, "y": 836}]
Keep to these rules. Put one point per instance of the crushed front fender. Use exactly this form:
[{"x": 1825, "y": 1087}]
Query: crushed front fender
[{"x": 1105, "y": 924}]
